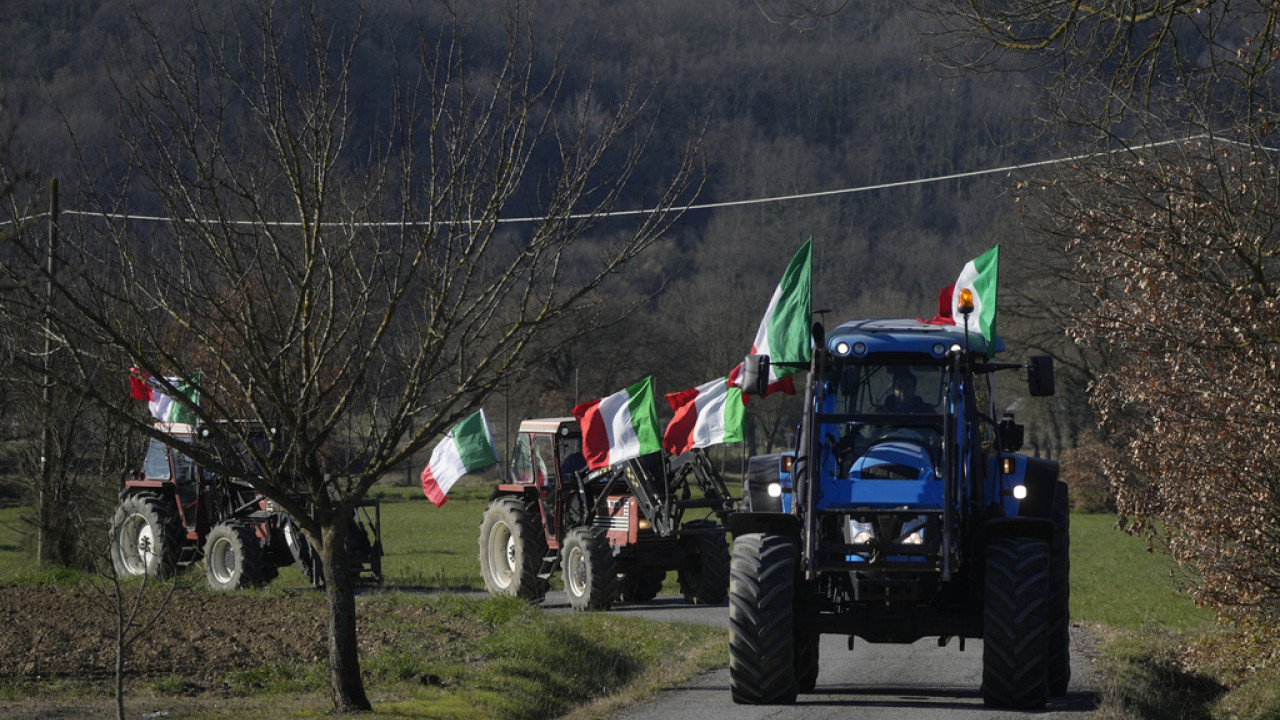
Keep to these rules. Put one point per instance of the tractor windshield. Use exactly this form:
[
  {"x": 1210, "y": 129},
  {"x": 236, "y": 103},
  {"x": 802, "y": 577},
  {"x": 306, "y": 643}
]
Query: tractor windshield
[
  {"x": 886, "y": 403},
  {"x": 891, "y": 389},
  {"x": 156, "y": 464}
]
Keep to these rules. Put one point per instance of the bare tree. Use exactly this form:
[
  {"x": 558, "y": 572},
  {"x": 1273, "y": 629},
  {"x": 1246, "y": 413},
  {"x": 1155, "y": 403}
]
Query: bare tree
[
  {"x": 1168, "y": 231},
  {"x": 1181, "y": 255},
  {"x": 344, "y": 272}
]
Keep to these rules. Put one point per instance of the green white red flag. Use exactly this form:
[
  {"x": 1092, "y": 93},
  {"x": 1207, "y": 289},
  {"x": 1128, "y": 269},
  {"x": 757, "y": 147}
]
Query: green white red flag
[
  {"x": 467, "y": 448},
  {"x": 620, "y": 427},
  {"x": 784, "y": 333},
  {"x": 980, "y": 276},
  {"x": 706, "y": 415},
  {"x": 163, "y": 406}
]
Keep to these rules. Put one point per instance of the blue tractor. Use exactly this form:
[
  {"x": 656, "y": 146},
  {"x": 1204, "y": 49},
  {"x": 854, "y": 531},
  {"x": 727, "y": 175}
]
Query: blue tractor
[{"x": 904, "y": 512}]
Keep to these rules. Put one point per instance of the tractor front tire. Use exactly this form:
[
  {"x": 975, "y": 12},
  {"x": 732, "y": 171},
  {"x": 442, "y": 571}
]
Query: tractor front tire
[
  {"x": 762, "y": 637},
  {"x": 304, "y": 555},
  {"x": 807, "y": 661},
  {"x": 704, "y": 579},
  {"x": 1015, "y": 642},
  {"x": 145, "y": 538},
  {"x": 511, "y": 550},
  {"x": 590, "y": 572},
  {"x": 233, "y": 558},
  {"x": 1060, "y": 594}
]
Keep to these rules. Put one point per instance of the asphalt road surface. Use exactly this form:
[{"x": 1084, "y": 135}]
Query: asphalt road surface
[{"x": 872, "y": 682}]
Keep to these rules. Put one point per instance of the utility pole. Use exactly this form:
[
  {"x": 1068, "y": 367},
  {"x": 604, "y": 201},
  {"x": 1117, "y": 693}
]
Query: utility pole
[{"x": 43, "y": 550}]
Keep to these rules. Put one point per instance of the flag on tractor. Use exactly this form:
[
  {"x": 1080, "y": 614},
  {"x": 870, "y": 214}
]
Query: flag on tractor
[
  {"x": 784, "y": 333},
  {"x": 163, "y": 406},
  {"x": 620, "y": 427},
  {"x": 467, "y": 448},
  {"x": 706, "y": 415},
  {"x": 979, "y": 275}
]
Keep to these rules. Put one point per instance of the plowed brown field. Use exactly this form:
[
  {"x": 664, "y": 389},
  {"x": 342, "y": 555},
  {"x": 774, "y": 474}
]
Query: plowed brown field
[{"x": 60, "y": 632}]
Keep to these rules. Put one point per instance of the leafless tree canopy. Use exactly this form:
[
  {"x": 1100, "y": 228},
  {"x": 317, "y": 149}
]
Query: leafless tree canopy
[
  {"x": 1180, "y": 255},
  {"x": 1168, "y": 253},
  {"x": 345, "y": 278}
]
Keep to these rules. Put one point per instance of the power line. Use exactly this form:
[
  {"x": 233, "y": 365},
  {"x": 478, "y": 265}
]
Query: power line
[{"x": 686, "y": 208}]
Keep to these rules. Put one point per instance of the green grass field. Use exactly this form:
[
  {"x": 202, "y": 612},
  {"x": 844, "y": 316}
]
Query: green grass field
[
  {"x": 1117, "y": 586},
  {"x": 1114, "y": 580}
]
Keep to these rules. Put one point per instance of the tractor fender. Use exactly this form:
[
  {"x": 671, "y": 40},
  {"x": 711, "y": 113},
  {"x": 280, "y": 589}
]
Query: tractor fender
[
  {"x": 1040, "y": 477},
  {"x": 1023, "y": 527},
  {"x": 763, "y": 471},
  {"x": 742, "y": 523}
]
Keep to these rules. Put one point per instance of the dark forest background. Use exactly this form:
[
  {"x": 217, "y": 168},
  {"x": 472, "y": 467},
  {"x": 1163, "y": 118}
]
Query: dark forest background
[{"x": 852, "y": 102}]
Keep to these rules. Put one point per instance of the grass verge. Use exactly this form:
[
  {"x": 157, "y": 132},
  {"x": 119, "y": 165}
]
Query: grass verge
[
  {"x": 1162, "y": 657},
  {"x": 439, "y": 656}
]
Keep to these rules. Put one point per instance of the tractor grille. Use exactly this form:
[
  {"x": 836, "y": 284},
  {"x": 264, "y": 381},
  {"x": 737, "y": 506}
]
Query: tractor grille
[{"x": 614, "y": 515}]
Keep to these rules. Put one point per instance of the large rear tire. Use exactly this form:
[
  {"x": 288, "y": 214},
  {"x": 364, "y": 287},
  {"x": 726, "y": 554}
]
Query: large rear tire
[
  {"x": 145, "y": 538},
  {"x": 1060, "y": 594},
  {"x": 704, "y": 579},
  {"x": 1015, "y": 648},
  {"x": 511, "y": 550},
  {"x": 590, "y": 572},
  {"x": 233, "y": 558},
  {"x": 762, "y": 637}
]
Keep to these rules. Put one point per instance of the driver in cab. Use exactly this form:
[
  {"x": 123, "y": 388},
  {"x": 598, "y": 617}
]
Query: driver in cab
[{"x": 902, "y": 396}]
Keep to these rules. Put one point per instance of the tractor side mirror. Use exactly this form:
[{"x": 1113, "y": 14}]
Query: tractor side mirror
[
  {"x": 755, "y": 375},
  {"x": 1040, "y": 375}
]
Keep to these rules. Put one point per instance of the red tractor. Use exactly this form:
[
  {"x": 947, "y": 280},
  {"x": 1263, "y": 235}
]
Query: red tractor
[
  {"x": 615, "y": 531},
  {"x": 172, "y": 513}
]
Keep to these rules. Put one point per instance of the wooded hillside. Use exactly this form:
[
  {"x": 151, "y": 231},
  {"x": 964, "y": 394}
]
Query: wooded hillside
[{"x": 851, "y": 104}]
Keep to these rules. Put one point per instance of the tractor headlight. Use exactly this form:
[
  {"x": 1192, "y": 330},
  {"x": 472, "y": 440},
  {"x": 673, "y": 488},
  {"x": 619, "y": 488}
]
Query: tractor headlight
[
  {"x": 1020, "y": 492},
  {"x": 774, "y": 490},
  {"x": 913, "y": 531},
  {"x": 861, "y": 532}
]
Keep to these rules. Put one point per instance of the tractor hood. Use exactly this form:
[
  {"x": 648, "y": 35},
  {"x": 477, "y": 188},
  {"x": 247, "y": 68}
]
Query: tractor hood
[
  {"x": 891, "y": 474},
  {"x": 893, "y": 460}
]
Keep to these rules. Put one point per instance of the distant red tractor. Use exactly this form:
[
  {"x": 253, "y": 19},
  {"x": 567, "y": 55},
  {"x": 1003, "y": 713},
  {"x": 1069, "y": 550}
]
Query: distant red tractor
[
  {"x": 173, "y": 513},
  {"x": 615, "y": 531}
]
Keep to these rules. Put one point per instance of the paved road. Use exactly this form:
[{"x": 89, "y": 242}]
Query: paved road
[{"x": 871, "y": 682}]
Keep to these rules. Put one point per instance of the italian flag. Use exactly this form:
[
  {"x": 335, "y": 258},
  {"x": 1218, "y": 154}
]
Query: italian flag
[
  {"x": 784, "y": 333},
  {"x": 979, "y": 275},
  {"x": 163, "y": 406},
  {"x": 706, "y": 415},
  {"x": 467, "y": 448},
  {"x": 619, "y": 427}
]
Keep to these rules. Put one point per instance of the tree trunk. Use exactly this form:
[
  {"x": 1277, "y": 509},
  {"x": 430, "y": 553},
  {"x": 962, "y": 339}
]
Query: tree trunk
[{"x": 344, "y": 654}]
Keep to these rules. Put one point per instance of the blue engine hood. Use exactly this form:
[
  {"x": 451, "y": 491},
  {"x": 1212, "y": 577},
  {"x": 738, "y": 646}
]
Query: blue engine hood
[{"x": 891, "y": 474}]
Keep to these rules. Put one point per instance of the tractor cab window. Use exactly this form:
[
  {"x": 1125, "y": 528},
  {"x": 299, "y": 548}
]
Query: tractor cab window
[
  {"x": 882, "y": 402},
  {"x": 156, "y": 464},
  {"x": 186, "y": 468},
  {"x": 982, "y": 402},
  {"x": 891, "y": 389},
  {"x": 543, "y": 458},
  {"x": 571, "y": 457},
  {"x": 522, "y": 460}
]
